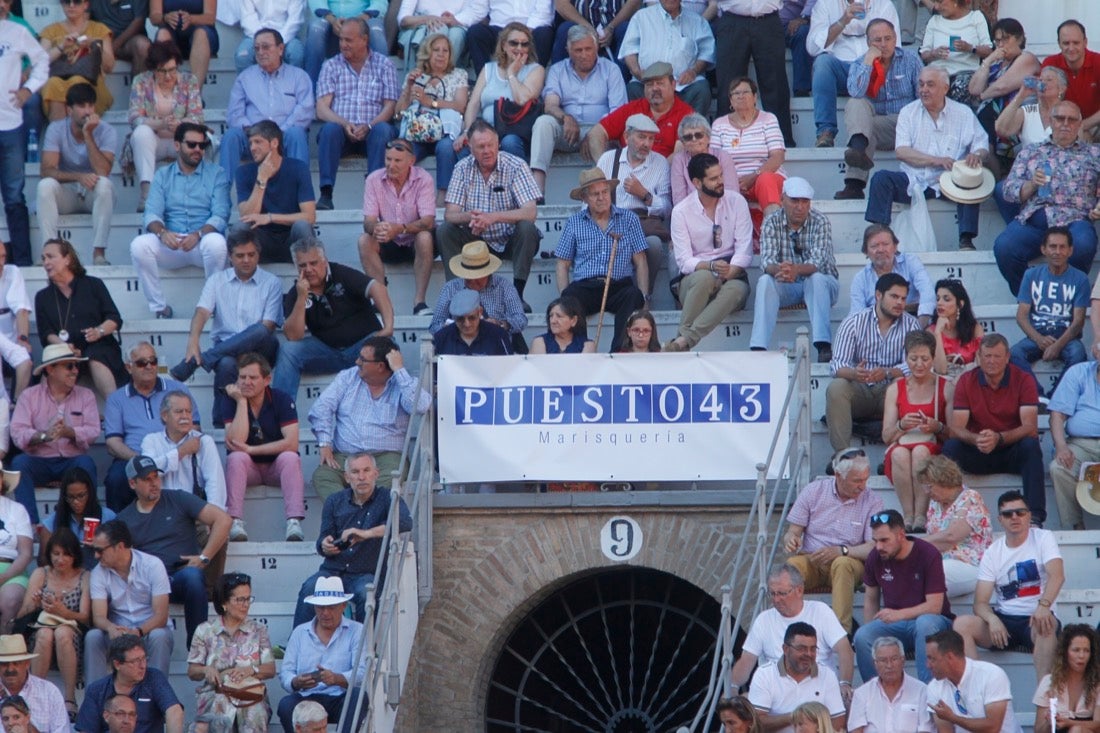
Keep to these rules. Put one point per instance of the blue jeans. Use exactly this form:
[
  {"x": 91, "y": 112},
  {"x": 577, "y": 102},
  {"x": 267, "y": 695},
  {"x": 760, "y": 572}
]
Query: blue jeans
[
  {"x": 1009, "y": 211},
  {"x": 13, "y": 154},
  {"x": 1024, "y": 458},
  {"x": 332, "y": 143},
  {"x": 310, "y": 356},
  {"x": 1026, "y": 352},
  {"x": 911, "y": 633},
  {"x": 38, "y": 471},
  {"x": 189, "y": 588},
  {"x": 819, "y": 291},
  {"x": 355, "y": 584},
  {"x": 830, "y": 81},
  {"x": 445, "y": 159},
  {"x": 322, "y": 43},
  {"x": 1019, "y": 243},
  {"x": 246, "y": 56},
  {"x": 118, "y": 491},
  {"x": 221, "y": 358},
  {"x": 890, "y": 187},
  {"x": 801, "y": 61},
  {"x": 235, "y": 147}
]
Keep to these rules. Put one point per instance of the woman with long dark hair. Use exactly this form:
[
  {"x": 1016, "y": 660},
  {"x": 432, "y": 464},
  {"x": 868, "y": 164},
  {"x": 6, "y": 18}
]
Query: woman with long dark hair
[
  {"x": 75, "y": 502},
  {"x": 1074, "y": 682},
  {"x": 957, "y": 331}
]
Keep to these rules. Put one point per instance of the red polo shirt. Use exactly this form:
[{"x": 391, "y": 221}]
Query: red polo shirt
[
  {"x": 997, "y": 407},
  {"x": 1084, "y": 84},
  {"x": 614, "y": 124}
]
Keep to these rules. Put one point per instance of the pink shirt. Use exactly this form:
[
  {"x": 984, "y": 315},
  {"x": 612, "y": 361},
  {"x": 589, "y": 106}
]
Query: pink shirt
[
  {"x": 416, "y": 199},
  {"x": 831, "y": 521},
  {"x": 36, "y": 411},
  {"x": 693, "y": 232}
]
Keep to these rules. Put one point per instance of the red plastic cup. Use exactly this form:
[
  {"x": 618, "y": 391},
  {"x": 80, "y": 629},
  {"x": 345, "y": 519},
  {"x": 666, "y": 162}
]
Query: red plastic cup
[{"x": 90, "y": 525}]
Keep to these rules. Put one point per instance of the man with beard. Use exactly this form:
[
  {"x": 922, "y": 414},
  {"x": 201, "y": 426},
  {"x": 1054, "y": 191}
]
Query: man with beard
[
  {"x": 906, "y": 593},
  {"x": 712, "y": 244},
  {"x": 780, "y": 687},
  {"x": 585, "y": 245},
  {"x": 188, "y": 459},
  {"x": 660, "y": 104},
  {"x": 869, "y": 354}
]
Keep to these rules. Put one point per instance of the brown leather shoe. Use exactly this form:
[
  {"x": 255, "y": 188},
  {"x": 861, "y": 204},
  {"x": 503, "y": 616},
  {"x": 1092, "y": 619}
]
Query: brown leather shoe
[
  {"x": 850, "y": 192},
  {"x": 826, "y": 139}
]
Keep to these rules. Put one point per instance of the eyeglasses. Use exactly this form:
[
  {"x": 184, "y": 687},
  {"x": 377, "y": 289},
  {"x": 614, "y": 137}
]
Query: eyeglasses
[
  {"x": 1065, "y": 119},
  {"x": 802, "y": 648},
  {"x": 398, "y": 145},
  {"x": 82, "y": 496},
  {"x": 144, "y": 363},
  {"x": 959, "y": 703},
  {"x": 193, "y": 145},
  {"x": 363, "y": 360},
  {"x": 263, "y": 46},
  {"x": 796, "y": 242},
  {"x": 640, "y": 331},
  {"x": 72, "y": 2},
  {"x": 98, "y": 550},
  {"x": 692, "y": 136},
  {"x": 72, "y": 366},
  {"x": 716, "y": 234},
  {"x": 139, "y": 661},
  {"x": 740, "y": 92},
  {"x": 468, "y": 317},
  {"x": 519, "y": 44},
  {"x": 242, "y": 600},
  {"x": 896, "y": 659},
  {"x": 781, "y": 593},
  {"x": 1009, "y": 513},
  {"x": 168, "y": 70}
]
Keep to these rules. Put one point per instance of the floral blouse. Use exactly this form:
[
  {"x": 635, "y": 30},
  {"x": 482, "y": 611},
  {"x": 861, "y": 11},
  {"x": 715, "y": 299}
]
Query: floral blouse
[
  {"x": 143, "y": 100},
  {"x": 212, "y": 645},
  {"x": 970, "y": 508}
]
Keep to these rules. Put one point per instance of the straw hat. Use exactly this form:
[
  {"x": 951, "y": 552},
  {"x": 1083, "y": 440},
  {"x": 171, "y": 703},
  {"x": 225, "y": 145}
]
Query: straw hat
[
  {"x": 964, "y": 184},
  {"x": 55, "y": 354},
  {"x": 1088, "y": 490},
  {"x": 475, "y": 261},
  {"x": 13, "y": 648},
  {"x": 587, "y": 178},
  {"x": 11, "y": 479},
  {"x": 326, "y": 592}
]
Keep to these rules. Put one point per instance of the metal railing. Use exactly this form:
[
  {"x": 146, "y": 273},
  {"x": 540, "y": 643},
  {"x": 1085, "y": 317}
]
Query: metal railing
[
  {"x": 379, "y": 654},
  {"x": 748, "y": 579}
]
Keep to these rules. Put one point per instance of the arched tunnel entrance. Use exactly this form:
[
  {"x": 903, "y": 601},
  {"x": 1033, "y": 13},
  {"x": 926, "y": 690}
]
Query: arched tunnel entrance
[{"x": 627, "y": 650}]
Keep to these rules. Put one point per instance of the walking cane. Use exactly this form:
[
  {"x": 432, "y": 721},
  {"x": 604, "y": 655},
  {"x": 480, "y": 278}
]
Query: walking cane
[{"x": 607, "y": 284}]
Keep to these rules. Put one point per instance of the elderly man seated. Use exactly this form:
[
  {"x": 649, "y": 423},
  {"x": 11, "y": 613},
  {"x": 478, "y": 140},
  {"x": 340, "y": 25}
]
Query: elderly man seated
[
  {"x": 470, "y": 333},
  {"x": 926, "y": 152},
  {"x": 829, "y": 533},
  {"x": 880, "y": 247}
]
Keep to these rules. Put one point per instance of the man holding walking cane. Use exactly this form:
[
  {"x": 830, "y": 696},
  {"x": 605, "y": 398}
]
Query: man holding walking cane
[{"x": 606, "y": 247}]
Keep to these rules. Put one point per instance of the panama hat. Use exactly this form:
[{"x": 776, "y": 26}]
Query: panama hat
[
  {"x": 474, "y": 261},
  {"x": 55, "y": 354},
  {"x": 326, "y": 592},
  {"x": 13, "y": 648},
  {"x": 1088, "y": 490},
  {"x": 11, "y": 479},
  {"x": 965, "y": 184}
]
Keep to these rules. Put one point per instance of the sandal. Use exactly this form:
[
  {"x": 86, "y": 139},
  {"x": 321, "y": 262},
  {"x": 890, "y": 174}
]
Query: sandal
[{"x": 70, "y": 706}]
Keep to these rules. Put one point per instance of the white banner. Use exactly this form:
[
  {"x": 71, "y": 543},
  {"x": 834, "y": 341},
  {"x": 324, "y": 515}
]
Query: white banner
[{"x": 706, "y": 416}]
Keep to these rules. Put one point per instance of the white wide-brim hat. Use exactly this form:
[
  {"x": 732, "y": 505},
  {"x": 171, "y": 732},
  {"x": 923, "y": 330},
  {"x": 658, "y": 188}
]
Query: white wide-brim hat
[
  {"x": 964, "y": 184},
  {"x": 328, "y": 592}
]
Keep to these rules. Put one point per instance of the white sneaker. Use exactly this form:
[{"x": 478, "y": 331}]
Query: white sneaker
[
  {"x": 294, "y": 530},
  {"x": 236, "y": 531}
]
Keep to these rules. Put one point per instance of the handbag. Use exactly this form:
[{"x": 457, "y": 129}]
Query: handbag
[
  {"x": 87, "y": 63},
  {"x": 913, "y": 226},
  {"x": 420, "y": 124},
  {"x": 510, "y": 118},
  {"x": 243, "y": 694}
]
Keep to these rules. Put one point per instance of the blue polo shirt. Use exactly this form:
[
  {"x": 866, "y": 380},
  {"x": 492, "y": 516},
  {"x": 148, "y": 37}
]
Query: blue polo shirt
[
  {"x": 153, "y": 697},
  {"x": 276, "y": 412},
  {"x": 1078, "y": 397},
  {"x": 289, "y": 187},
  {"x": 491, "y": 340},
  {"x": 131, "y": 415}
]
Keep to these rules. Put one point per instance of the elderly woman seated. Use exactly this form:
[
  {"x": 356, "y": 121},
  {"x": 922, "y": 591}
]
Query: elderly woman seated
[
  {"x": 959, "y": 524},
  {"x": 694, "y": 134}
]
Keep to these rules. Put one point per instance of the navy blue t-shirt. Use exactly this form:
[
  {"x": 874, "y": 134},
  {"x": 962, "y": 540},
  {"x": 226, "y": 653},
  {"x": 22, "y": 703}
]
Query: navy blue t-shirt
[
  {"x": 153, "y": 697},
  {"x": 290, "y": 186},
  {"x": 277, "y": 411},
  {"x": 491, "y": 340}
]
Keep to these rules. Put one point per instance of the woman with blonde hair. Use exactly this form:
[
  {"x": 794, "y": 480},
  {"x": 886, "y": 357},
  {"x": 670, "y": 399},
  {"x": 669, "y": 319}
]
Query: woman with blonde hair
[
  {"x": 958, "y": 523},
  {"x": 811, "y": 717}
]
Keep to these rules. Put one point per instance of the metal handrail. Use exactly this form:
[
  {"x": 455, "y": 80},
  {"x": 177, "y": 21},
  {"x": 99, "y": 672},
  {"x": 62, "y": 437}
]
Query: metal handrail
[
  {"x": 377, "y": 653},
  {"x": 762, "y": 524}
]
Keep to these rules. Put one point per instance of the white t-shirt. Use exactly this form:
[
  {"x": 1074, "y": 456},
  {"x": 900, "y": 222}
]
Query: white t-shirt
[
  {"x": 982, "y": 683},
  {"x": 765, "y": 639},
  {"x": 17, "y": 523},
  {"x": 775, "y": 693},
  {"x": 1019, "y": 574},
  {"x": 876, "y": 713}
]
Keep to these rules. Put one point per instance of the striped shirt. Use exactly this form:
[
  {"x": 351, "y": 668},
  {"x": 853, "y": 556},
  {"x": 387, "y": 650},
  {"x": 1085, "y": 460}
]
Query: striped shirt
[
  {"x": 830, "y": 520},
  {"x": 416, "y": 200},
  {"x": 751, "y": 146},
  {"x": 653, "y": 174},
  {"x": 499, "y": 299},
  {"x": 46, "y": 703},
  {"x": 358, "y": 96},
  {"x": 900, "y": 87},
  {"x": 697, "y": 238},
  {"x": 921, "y": 292},
  {"x": 814, "y": 240},
  {"x": 954, "y": 134},
  {"x": 351, "y": 420},
  {"x": 589, "y": 248},
  {"x": 510, "y": 186},
  {"x": 859, "y": 341}
]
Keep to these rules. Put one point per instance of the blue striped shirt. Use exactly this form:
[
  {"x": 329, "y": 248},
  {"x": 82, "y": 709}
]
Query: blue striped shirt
[
  {"x": 499, "y": 299},
  {"x": 589, "y": 248},
  {"x": 858, "y": 341},
  {"x": 351, "y": 420},
  {"x": 901, "y": 82}
]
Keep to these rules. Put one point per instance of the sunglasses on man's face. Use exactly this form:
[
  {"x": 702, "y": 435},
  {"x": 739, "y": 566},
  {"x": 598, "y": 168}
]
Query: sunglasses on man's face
[
  {"x": 197, "y": 144},
  {"x": 1018, "y": 512}
]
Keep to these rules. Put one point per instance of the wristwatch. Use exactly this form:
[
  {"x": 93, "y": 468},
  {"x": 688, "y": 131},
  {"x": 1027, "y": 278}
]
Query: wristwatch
[
  {"x": 435, "y": 104},
  {"x": 204, "y": 560},
  {"x": 844, "y": 550}
]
